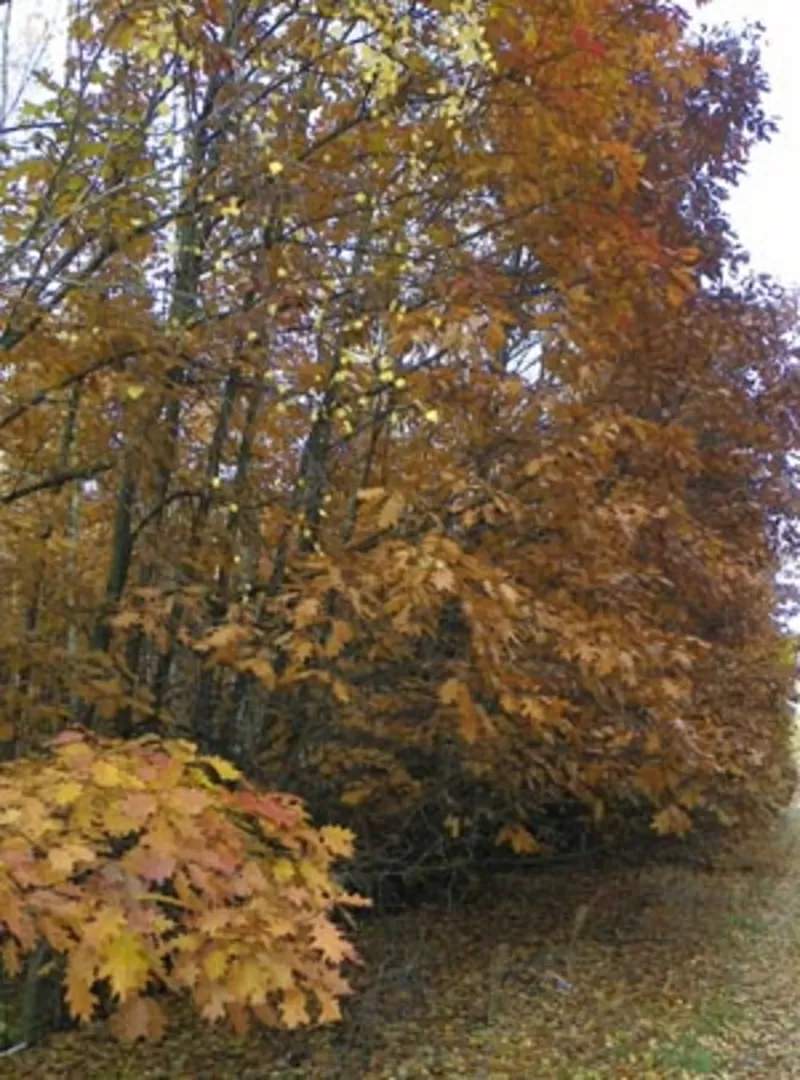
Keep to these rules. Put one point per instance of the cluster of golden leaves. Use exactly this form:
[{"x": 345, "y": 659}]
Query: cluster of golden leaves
[{"x": 147, "y": 865}]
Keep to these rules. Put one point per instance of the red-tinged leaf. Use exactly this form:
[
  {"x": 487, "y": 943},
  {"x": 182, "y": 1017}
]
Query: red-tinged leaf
[
  {"x": 67, "y": 859},
  {"x": 240, "y": 1017},
  {"x": 138, "y": 1018},
  {"x": 191, "y": 801},
  {"x": 283, "y": 811},
  {"x": 138, "y": 806},
  {"x": 152, "y": 865},
  {"x": 70, "y": 735},
  {"x": 266, "y": 1014}
]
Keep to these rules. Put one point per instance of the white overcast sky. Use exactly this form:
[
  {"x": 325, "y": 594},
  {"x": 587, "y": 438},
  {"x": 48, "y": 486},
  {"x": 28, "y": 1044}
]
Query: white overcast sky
[{"x": 765, "y": 206}]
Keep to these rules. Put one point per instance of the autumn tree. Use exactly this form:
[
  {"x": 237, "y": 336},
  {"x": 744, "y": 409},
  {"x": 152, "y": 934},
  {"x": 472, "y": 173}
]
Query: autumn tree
[{"x": 387, "y": 406}]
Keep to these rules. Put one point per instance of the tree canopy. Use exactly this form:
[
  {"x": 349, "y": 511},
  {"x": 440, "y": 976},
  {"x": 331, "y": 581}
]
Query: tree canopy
[{"x": 388, "y": 406}]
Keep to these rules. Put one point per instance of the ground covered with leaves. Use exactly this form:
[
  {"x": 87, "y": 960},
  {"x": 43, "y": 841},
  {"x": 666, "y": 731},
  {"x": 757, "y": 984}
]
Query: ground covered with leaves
[{"x": 666, "y": 971}]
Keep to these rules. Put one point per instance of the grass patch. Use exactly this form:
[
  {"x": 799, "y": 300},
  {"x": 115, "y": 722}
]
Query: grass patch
[{"x": 688, "y": 1055}]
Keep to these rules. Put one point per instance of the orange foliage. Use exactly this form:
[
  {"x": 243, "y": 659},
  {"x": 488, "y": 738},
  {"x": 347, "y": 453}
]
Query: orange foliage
[
  {"x": 385, "y": 404},
  {"x": 139, "y": 867}
]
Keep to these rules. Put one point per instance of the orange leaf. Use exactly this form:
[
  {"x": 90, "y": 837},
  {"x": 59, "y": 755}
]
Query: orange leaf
[{"x": 138, "y": 1018}]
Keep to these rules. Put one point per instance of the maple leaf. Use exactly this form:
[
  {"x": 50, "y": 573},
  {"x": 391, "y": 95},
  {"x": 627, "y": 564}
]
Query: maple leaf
[
  {"x": 64, "y": 860},
  {"x": 78, "y": 980},
  {"x": 240, "y": 1017},
  {"x": 213, "y": 1002},
  {"x": 443, "y": 579},
  {"x": 67, "y": 793},
  {"x": 202, "y": 483},
  {"x": 293, "y": 1008},
  {"x": 137, "y": 807},
  {"x": 246, "y": 981},
  {"x": 672, "y": 821},
  {"x": 276, "y": 809},
  {"x": 337, "y": 840},
  {"x": 138, "y": 1018},
  {"x": 331, "y": 943},
  {"x": 107, "y": 775},
  {"x": 330, "y": 1011},
  {"x": 215, "y": 963},
  {"x": 106, "y": 924},
  {"x": 126, "y": 964},
  {"x": 150, "y": 863}
]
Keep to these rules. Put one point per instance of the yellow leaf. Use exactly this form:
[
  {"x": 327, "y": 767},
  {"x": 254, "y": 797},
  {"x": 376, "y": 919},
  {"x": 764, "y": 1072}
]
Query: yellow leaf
[
  {"x": 215, "y": 964},
  {"x": 275, "y": 168},
  {"x": 247, "y": 981},
  {"x": 134, "y": 391},
  {"x": 283, "y": 871},
  {"x": 126, "y": 964},
  {"x": 106, "y": 775},
  {"x": 67, "y": 793},
  {"x": 337, "y": 840},
  {"x": 227, "y": 772}
]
